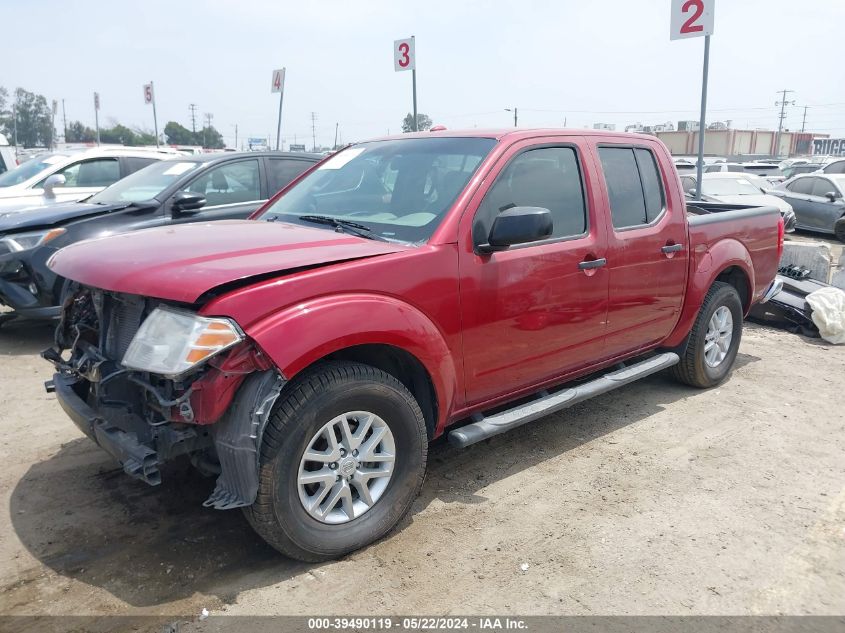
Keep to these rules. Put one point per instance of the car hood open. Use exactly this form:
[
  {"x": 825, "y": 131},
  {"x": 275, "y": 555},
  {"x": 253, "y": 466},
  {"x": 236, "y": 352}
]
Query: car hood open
[{"x": 181, "y": 263}]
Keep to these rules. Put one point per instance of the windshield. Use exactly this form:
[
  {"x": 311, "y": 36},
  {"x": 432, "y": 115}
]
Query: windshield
[
  {"x": 399, "y": 190},
  {"x": 729, "y": 187},
  {"x": 839, "y": 180},
  {"x": 145, "y": 184},
  {"x": 30, "y": 168}
]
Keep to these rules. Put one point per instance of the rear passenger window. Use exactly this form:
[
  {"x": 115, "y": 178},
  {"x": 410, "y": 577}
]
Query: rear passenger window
[
  {"x": 549, "y": 178},
  {"x": 134, "y": 163},
  {"x": 802, "y": 185},
  {"x": 633, "y": 184},
  {"x": 283, "y": 170}
]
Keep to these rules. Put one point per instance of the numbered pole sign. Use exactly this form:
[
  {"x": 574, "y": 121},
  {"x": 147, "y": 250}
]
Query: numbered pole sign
[
  {"x": 148, "y": 93},
  {"x": 278, "y": 81},
  {"x": 691, "y": 18},
  {"x": 404, "y": 56}
]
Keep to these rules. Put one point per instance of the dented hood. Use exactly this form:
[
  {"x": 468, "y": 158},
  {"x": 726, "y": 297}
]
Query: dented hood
[{"x": 181, "y": 263}]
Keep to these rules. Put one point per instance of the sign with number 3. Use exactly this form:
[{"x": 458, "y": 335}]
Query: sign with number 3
[
  {"x": 404, "y": 57},
  {"x": 691, "y": 18}
]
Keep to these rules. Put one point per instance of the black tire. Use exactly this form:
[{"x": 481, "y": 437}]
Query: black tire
[
  {"x": 693, "y": 370},
  {"x": 839, "y": 229},
  {"x": 306, "y": 404}
]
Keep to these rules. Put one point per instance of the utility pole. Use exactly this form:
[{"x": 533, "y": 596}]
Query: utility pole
[
  {"x": 208, "y": 116},
  {"x": 64, "y": 121},
  {"x": 782, "y": 103},
  {"x": 236, "y": 136},
  {"x": 514, "y": 115},
  {"x": 97, "y": 115},
  {"x": 804, "y": 121},
  {"x": 335, "y": 136},
  {"x": 193, "y": 108},
  {"x": 15, "y": 116},
  {"x": 313, "y": 131}
]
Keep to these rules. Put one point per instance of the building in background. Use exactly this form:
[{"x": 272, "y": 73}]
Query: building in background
[
  {"x": 733, "y": 142},
  {"x": 604, "y": 126}
]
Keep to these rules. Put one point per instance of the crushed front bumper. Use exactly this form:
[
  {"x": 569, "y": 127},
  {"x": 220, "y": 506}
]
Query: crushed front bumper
[{"x": 137, "y": 459}]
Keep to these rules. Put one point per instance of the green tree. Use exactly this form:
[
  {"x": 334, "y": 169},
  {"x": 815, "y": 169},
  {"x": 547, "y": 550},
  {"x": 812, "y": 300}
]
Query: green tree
[
  {"x": 119, "y": 134},
  {"x": 79, "y": 133},
  {"x": 34, "y": 117},
  {"x": 178, "y": 134},
  {"x": 211, "y": 138},
  {"x": 423, "y": 121}
]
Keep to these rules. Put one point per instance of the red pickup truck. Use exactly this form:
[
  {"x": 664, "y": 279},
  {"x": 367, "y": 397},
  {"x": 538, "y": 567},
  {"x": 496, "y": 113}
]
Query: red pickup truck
[{"x": 403, "y": 288}]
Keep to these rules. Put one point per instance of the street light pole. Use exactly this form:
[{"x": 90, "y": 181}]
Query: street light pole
[{"x": 515, "y": 119}]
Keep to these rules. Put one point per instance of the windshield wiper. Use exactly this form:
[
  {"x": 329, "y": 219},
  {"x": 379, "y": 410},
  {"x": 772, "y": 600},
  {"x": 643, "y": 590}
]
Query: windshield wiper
[{"x": 361, "y": 230}]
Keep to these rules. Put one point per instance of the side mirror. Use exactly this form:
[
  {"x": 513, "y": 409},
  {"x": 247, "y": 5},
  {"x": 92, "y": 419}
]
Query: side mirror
[
  {"x": 187, "y": 201},
  {"x": 56, "y": 180},
  {"x": 518, "y": 225},
  {"x": 831, "y": 195},
  {"x": 692, "y": 192}
]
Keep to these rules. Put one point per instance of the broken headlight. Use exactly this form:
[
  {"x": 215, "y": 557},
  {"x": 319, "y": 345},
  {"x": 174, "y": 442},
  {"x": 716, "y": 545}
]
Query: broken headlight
[{"x": 170, "y": 342}]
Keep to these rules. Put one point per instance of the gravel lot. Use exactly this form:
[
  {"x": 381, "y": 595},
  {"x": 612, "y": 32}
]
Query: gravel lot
[{"x": 655, "y": 499}]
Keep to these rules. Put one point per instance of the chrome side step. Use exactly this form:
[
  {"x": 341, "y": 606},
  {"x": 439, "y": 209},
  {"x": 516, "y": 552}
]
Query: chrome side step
[{"x": 546, "y": 403}]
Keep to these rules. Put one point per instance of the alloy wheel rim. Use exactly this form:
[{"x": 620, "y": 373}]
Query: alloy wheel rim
[
  {"x": 346, "y": 467},
  {"x": 717, "y": 341}
]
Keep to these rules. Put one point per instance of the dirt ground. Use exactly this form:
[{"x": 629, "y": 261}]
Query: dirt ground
[{"x": 654, "y": 499}]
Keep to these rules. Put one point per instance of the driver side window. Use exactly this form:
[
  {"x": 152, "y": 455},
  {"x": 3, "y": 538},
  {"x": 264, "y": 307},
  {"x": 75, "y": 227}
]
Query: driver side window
[{"x": 549, "y": 178}]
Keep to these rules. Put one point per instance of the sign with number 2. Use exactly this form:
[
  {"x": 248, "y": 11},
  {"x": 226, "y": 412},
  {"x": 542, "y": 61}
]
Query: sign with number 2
[
  {"x": 404, "y": 57},
  {"x": 691, "y": 18}
]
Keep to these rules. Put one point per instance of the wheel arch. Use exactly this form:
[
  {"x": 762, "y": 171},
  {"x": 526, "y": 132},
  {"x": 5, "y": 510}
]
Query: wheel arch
[{"x": 376, "y": 330}]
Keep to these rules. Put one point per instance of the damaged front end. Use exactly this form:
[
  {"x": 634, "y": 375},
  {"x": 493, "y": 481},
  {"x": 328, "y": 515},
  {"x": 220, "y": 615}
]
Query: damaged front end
[{"x": 213, "y": 406}]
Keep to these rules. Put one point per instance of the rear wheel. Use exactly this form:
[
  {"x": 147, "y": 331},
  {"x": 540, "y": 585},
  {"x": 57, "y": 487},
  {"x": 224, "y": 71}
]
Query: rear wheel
[
  {"x": 342, "y": 460},
  {"x": 714, "y": 340}
]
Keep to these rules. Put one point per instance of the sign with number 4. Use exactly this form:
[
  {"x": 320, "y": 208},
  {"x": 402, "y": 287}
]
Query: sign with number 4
[
  {"x": 691, "y": 18},
  {"x": 278, "y": 81},
  {"x": 404, "y": 57}
]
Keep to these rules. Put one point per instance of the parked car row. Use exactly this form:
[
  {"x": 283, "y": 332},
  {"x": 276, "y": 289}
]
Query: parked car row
[
  {"x": 70, "y": 176},
  {"x": 738, "y": 188},
  {"x": 196, "y": 188}
]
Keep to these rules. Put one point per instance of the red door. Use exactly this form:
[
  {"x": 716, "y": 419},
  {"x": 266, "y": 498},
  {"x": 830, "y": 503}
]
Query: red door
[
  {"x": 647, "y": 247},
  {"x": 534, "y": 311}
]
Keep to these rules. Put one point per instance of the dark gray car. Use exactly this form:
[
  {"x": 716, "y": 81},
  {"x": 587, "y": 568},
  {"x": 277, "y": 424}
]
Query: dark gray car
[
  {"x": 190, "y": 189},
  {"x": 818, "y": 202}
]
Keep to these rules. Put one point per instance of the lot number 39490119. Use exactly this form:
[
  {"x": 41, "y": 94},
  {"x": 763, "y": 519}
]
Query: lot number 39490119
[{"x": 691, "y": 18}]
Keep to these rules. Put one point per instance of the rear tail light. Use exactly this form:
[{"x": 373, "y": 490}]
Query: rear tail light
[{"x": 781, "y": 233}]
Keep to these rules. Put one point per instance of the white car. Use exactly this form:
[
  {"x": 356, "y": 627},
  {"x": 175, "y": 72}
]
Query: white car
[
  {"x": 739, "y": 188},
  {"x": 8, "y": 160},
  {"x": 72, "y": 175}
]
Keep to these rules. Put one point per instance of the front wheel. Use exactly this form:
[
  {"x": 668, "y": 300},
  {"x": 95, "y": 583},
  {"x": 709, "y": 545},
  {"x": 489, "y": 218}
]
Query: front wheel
[
  {"x": 342, "y": 460},
  {"x": 714, "y": 340}
]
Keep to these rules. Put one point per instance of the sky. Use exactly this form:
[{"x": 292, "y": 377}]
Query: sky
[{"x": 564, "y": 62}]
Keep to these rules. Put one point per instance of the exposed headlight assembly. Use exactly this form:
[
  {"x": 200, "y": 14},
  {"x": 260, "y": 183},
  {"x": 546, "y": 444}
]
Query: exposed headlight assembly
[
  {"x": 170, "y": 342},
  {"x": 24, "y": 241}
]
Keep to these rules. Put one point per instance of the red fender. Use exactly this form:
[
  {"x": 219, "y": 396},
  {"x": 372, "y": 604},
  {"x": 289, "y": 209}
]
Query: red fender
[
  {"x": 709, "y": 264},
  {"x": 300, "y": 335}
]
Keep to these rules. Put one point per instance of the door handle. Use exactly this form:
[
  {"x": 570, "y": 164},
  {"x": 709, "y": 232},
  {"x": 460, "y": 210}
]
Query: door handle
[
  {"x": 592, "y": 263},
  {"x": 672, "y": 248}
]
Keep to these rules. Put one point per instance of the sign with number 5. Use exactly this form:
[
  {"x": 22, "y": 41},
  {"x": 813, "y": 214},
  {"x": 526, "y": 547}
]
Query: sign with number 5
[
  {"x": 404, "y": 57},
  {"x": 691, "y": 18}
]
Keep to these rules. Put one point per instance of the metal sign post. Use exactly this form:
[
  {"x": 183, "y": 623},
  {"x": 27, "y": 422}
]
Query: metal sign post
[
  {"x": 405, "y": 58},
  {"x": 695, "y": 18},
  {"x": 150, "y": 98},
  {"x": 97, "y": 114},
  {"x": 279, "y": 86}
]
